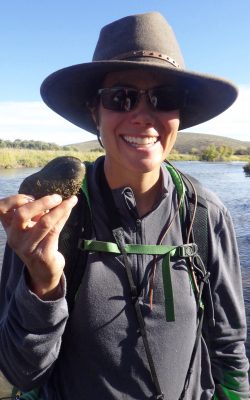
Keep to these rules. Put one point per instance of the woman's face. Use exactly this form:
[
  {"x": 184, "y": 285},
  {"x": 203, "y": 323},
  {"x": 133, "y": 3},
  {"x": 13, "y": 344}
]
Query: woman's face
[{"x": 139, "y": 140}]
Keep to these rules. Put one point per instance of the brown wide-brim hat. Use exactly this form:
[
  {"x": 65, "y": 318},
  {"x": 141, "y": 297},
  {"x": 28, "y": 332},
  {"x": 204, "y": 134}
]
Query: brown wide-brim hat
[{"x": 143, "y": 41}]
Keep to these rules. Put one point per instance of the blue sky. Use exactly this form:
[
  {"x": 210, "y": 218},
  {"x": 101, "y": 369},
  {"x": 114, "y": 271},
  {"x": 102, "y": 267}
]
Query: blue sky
[{"x": 39, "y": 37}]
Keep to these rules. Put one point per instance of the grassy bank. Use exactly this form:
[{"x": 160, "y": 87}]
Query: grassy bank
[
  {"x": 18, "y": 158},
  {"x": 29, "y": 158}
]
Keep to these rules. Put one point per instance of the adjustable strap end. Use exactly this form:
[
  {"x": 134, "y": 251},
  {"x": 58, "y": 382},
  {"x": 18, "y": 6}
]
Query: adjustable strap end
[
  {"x": 81, "y": 244},
  {"x": 118, "y": 234}
]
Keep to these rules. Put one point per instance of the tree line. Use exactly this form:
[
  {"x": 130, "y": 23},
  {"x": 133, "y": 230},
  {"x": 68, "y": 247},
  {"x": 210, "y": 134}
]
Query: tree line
[
  {"x": 34, "y": 145},
  {"x": 217, "y": 153}
]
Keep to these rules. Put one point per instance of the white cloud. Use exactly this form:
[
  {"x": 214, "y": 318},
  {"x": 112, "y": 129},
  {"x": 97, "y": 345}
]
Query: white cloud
[
  {"x": 35, "y": 121},
  {"x": 234, "y": 122}
]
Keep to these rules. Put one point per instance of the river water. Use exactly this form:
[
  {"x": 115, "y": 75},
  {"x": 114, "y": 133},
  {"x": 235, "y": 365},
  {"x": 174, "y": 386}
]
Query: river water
[{"x": 226, "y": 179}]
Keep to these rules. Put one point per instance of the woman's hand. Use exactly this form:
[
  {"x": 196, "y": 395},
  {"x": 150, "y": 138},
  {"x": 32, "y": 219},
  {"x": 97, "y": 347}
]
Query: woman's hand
[{"x": 32, "y": 228}]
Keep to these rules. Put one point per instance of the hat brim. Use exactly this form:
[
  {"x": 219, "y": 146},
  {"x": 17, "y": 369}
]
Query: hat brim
[{"x": 66, "y": 91}]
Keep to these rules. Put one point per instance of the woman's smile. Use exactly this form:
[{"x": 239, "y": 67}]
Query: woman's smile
[{"x": 138, "y": 141}]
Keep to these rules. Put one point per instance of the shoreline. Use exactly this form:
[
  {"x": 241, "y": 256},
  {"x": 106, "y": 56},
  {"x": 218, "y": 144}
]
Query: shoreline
[{"x": 30, "y": 158}]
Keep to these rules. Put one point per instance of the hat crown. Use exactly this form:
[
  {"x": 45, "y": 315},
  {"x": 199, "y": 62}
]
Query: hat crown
[{"x": 148, "y": 32}]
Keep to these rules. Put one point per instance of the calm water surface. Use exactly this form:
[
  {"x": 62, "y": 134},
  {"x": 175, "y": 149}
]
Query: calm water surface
[{"x": 226, "y": 179}]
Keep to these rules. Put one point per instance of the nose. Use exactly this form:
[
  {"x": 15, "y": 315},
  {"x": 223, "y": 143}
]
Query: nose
[{"x": 142, "y": 113}]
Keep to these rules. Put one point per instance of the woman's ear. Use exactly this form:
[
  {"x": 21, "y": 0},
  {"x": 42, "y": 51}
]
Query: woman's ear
[{"x": 95, "y": 116}]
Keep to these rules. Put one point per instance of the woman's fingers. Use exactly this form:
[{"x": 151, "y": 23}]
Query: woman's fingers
[
  {"x": 47, "y": 229},
  {"x": 8, "y": 206},
  {"x": 33, "y": 222},
  {"x": 33, "y": 211},
  {"x": 27, "y": 221},
  {"x": 40, "y": 252}
]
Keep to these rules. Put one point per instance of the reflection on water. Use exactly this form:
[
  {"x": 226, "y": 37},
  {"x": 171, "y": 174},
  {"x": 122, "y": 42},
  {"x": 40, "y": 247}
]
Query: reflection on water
[{"x": 226, "y": 179}]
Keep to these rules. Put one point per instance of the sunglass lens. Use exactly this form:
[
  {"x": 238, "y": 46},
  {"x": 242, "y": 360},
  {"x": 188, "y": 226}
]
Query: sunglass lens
[
  {"x": 119, "y": 99},
  {"x": 165, "y": 98}
]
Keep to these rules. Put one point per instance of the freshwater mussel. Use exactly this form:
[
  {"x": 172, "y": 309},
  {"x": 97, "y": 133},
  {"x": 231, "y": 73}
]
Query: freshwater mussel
[{"x": 63, "y": 175}]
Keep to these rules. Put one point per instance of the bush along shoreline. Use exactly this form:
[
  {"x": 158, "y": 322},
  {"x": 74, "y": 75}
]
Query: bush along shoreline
[{"x": 247, "y": 168}]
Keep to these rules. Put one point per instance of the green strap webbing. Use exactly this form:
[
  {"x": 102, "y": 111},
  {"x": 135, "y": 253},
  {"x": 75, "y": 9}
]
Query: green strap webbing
[
  {"x": 110, "y": 247},
  {"x": 166, "y": 251},
  {"x": 179, "y": 185},
  {"x": 176, "y": 179},
  {"x": 168, "y": 289},
  {"x": 185, "y": 250}
]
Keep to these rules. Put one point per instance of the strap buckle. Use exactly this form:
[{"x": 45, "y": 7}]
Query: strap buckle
[{"x": 187, "y": 250}]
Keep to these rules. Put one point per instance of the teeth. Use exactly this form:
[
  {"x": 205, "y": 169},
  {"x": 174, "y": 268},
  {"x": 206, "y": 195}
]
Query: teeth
[{"x": 140, "y": 140}]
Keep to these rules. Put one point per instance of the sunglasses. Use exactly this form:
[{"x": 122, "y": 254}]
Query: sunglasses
[{"x": 125, "y": 99}]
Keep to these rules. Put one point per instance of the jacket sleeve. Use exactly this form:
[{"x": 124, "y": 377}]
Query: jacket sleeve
[
  {"x": 226, "y": 339},
  {"x": 30, "y": 329}
]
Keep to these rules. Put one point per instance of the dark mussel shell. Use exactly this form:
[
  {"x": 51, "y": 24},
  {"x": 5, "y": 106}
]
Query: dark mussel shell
[{"x": 63, "y": 175}]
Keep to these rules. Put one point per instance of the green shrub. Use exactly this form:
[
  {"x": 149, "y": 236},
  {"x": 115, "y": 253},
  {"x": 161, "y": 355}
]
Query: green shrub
[{"x": 247, "y": 168}]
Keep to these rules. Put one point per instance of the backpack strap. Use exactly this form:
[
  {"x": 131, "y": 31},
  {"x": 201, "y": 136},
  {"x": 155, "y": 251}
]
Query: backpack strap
[
  {"x": 200, "y": 236},
  {"x": 197, "y": 214},
  {"x": 194, "y": 190}
]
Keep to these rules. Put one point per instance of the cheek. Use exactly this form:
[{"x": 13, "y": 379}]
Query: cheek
[
  {"x": 107, "y": 126},
  {"x": 171, "y": 129},
  {"x": 171, "y": 126},
  {"x": 172, "y": 140},
  {"x": 109, "y": 121},
  {"x": 174, "y": 120}
]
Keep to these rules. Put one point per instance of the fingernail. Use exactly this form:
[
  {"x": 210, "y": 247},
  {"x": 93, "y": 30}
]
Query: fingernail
[
  {"x": 29, "y": 199},
  {"x": 74, "y": 199},
  {"x": 57, "y": 198}
]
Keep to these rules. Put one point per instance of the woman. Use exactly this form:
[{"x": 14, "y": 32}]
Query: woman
[{"x": 133, "y": 328}]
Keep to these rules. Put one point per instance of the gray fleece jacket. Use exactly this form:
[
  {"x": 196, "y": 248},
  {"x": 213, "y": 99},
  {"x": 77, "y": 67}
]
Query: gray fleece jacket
[{"x": 101, "y": 355}]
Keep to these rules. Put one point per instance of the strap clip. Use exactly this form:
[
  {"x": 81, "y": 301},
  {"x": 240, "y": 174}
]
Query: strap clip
[{"x": 187, "y": 250}]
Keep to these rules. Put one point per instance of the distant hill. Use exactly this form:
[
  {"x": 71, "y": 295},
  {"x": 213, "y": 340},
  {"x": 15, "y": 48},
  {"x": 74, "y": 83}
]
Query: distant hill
[
  {"x": 186, "y": 141},
  {"x": 87, "y": 146}
]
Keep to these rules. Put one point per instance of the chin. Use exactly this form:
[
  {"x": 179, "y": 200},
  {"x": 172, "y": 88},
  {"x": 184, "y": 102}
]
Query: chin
[{"x": 145, "y": 166}]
